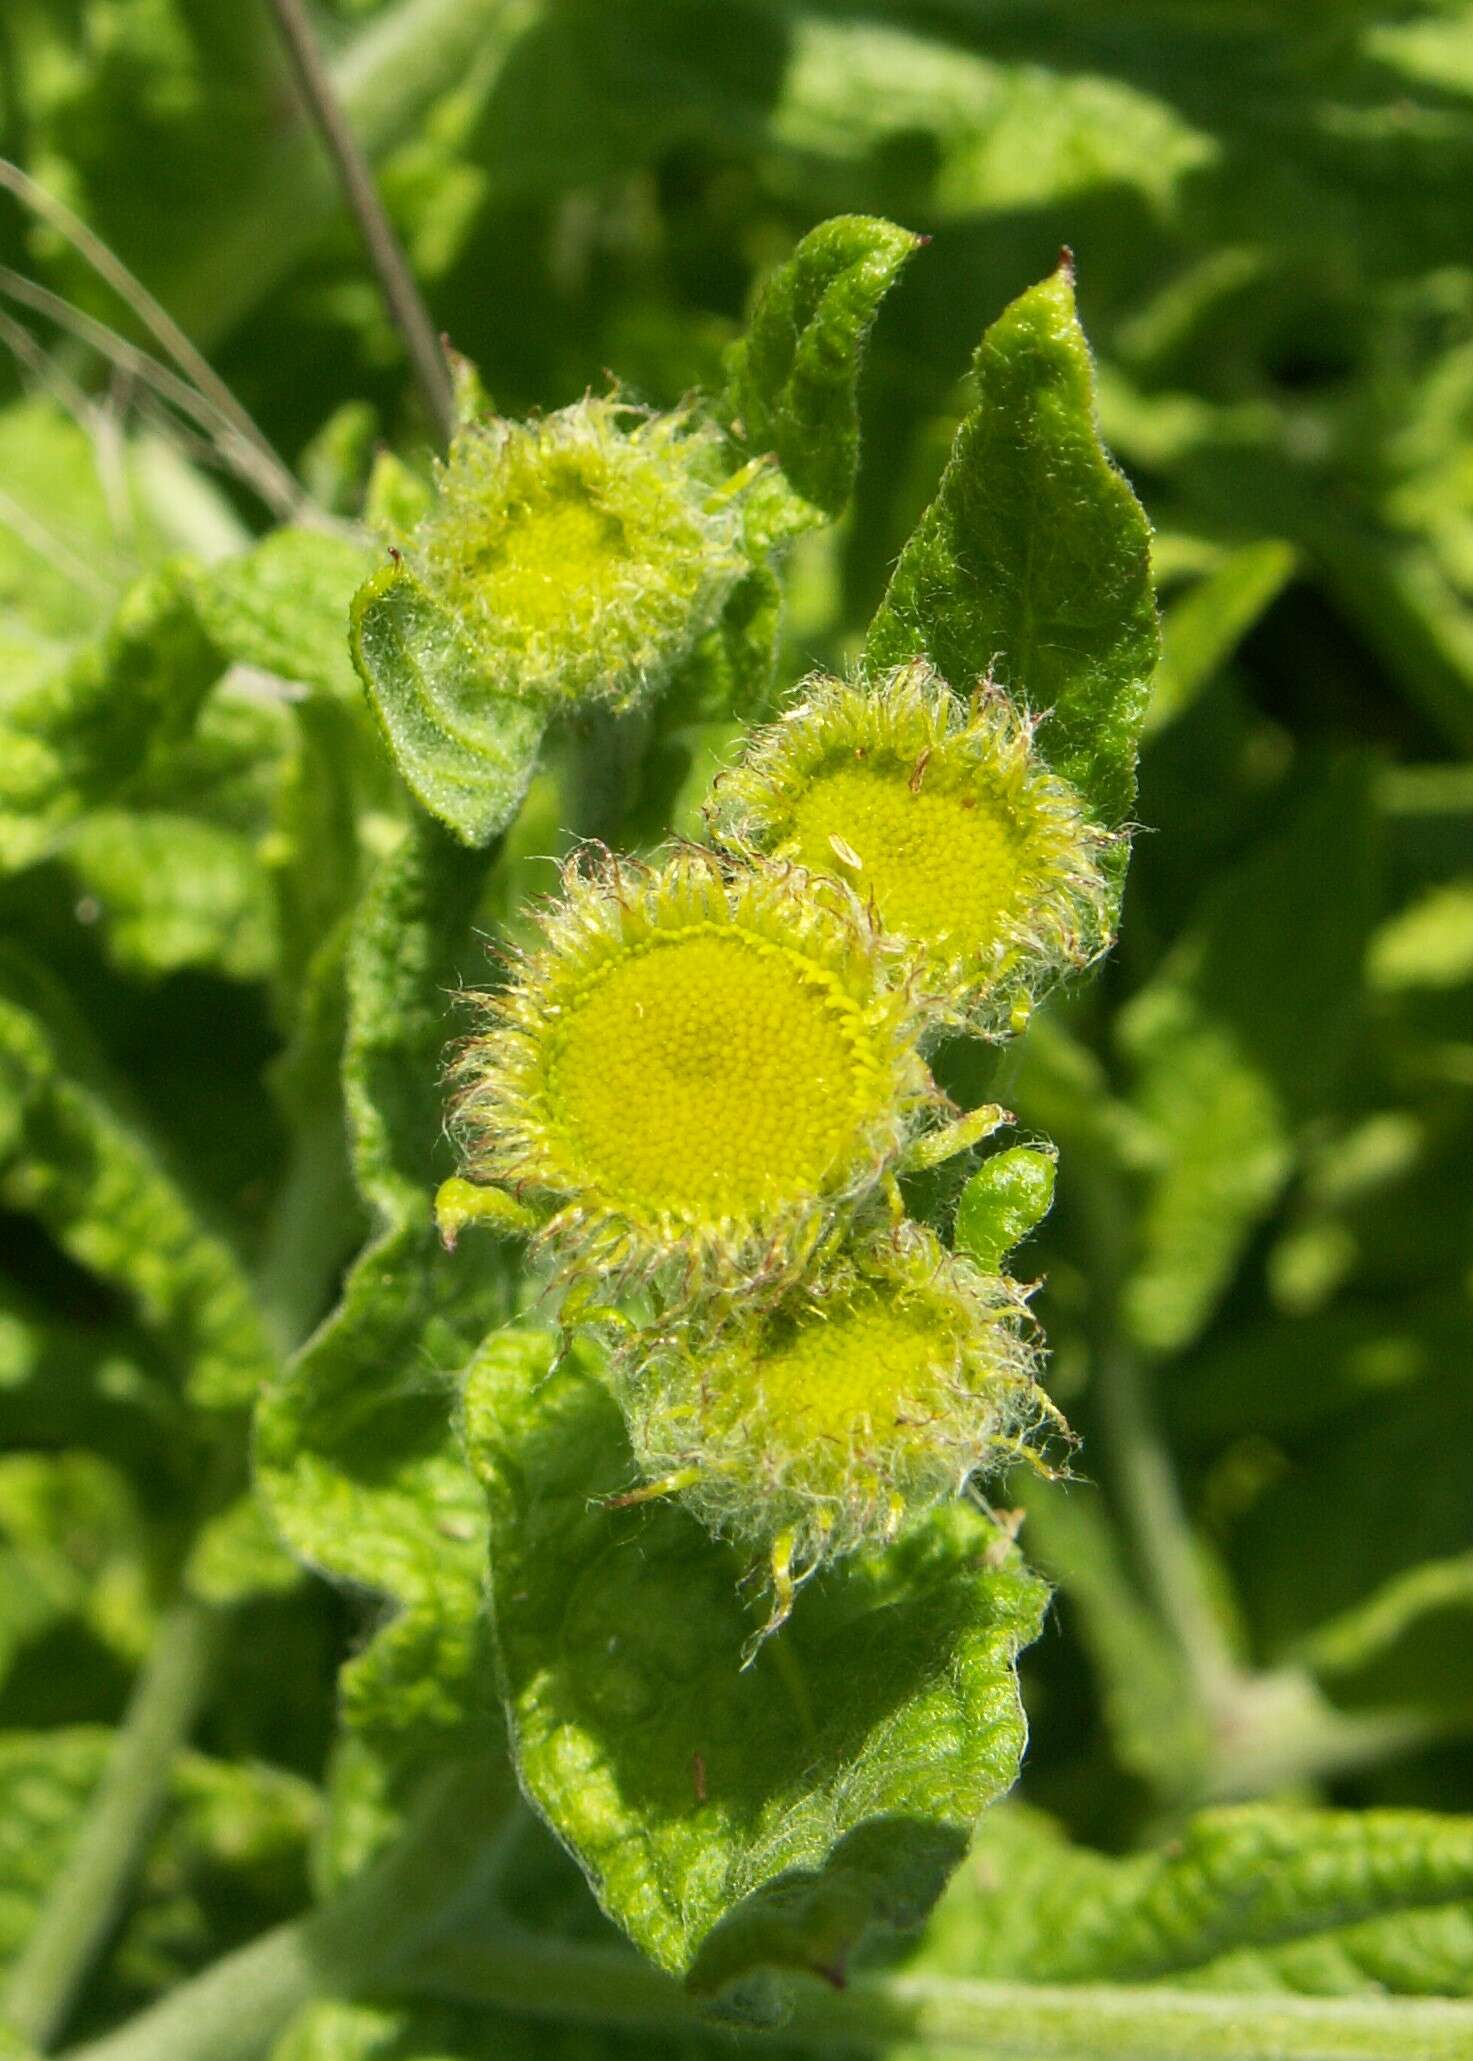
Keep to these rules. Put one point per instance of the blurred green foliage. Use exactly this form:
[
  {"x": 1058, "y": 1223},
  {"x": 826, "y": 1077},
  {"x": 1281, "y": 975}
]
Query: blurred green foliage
[{"x": 1257, "y": 1285}]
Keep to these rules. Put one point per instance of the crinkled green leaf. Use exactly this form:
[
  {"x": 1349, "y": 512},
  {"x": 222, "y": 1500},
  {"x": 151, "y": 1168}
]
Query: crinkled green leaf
[
  {"x": 1009, "y": 1195},
  {"x": 237, "y": 1555},
  {"x": 168, "y": 891},
  {"x": 795, "y": 374},
  {"x": 736, "y": 1822},
  {"x": 283, "y": 607},
  {"x": 1239, "y": 1038},
  {"x": 467, "y": 751},
  {"x": 1033, "y": 561},
  {"x": 74, "y": 1578},
  {"x": 354, "y": 1449},
  {"x": 1261, "y": 1896},
  {"x": 69, "y": 742},
  {"x": 81, "y": 1160}
]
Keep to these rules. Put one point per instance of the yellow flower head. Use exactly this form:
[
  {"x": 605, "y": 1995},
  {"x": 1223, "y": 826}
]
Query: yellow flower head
[
  {"x": 864, "y": 1397},
  {"x": 584, "y": 552},
  {"x": 695, "y": 1073},
  {"x": 943, "y": 818}
]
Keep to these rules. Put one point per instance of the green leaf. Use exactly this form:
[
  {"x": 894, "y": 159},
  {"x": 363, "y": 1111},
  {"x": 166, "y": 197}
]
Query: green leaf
[
  {"x": 1150, "y": 1706},
  {"x": 1353, "y": 1560},
  {"x": 1201, "y": 630},
  {"x": 1239, "y": 1039},
  {"x": 236, "y": 1555},
  {"x": 1405, "y": 1642},
  {"x": 736, "y": 1822},
  {"x": 74, "y": 1587},
  {"x": 1429, "y": 944},
  {"x": 1009, "y": 1195},
  {"x": 169, "y": 891},
  {"x": 283, "y": 607},
  {"x": 355, "y": 1452},
  {"x": 467, "y": 752},
  {"x": 70, "y": 741},
  {"x": 81, "y": 1160},
  {"x": 794, "y": 376},
  {"x": 1033, "y": 561},
  {"x": 1259, "y": 1896},
  {"x": 83, "y": 1383}
]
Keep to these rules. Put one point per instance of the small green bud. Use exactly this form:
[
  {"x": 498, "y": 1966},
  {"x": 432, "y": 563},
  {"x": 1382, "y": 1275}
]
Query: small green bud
[
  {"x": 866, "y": 1396},
  {"x": 582, "y": 553},
  {"x": 1009, "y": 1195},
  {"x": 944, "y": 819},
  {"x": 695, "y": 1076}
]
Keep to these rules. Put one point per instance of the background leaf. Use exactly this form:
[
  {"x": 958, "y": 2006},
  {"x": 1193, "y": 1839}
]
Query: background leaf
[
  {"x": 355, "y": 1453},
  {"x": 82, "y": 1161},
  {"x": 1237, "y": 1041},
  {"x": 1259, "y": 1897}
]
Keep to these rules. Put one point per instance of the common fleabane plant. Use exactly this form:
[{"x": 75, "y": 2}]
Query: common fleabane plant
[
  {"x": 777, "y": 1379},
  {"x": 718, "y": 1381}
]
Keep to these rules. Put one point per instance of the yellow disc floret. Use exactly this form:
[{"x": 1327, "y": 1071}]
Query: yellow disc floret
[
  {"x": 943, "y": 818},
  {"x": 584, "y": 552},
  {"x": 695, "y": 1072},
  {"x": 864, "y": 1397}
]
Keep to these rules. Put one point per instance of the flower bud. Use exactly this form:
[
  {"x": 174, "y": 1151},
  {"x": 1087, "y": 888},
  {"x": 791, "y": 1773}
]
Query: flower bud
[
  {"x": 822, "y": 1423},
  {"x": 584, "y": 552},
  {"x": 944, "y": 819}
]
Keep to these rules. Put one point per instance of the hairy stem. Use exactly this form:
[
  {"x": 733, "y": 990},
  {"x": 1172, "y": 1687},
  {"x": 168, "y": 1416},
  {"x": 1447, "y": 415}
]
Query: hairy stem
[
  {"x": 1003, "y": 2021},
  {"x": 88, "y": 1894},
  {"x": 233, "y": 2012},
  {"x": 385, "y": 252}
]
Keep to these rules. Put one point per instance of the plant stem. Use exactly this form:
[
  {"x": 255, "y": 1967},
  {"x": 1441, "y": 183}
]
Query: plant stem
[
  {"x": 85, "y": 1900},
  {"x": 385, "y": 252},
  {"x": 1138, "y": 1457},
  {"x": 359, "y": 1941},
  {"x": 548, "y": 1979},
  {"x": 235, "y": 2011},
  {"x": 281, "y": 491},
  {"x": 385, "y": 79}
]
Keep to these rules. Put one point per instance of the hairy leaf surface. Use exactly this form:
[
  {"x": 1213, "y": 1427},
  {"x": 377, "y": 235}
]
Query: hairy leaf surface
[
  {"x": 795, "y": 374},
  {"x": 735, "y": 1822},
  {"x": 355, "y": 1452},
  {"x": 466, "y": 750},
  {"x": 1261, "y": 1896},
  {"x": 1033, "y": 561}
]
